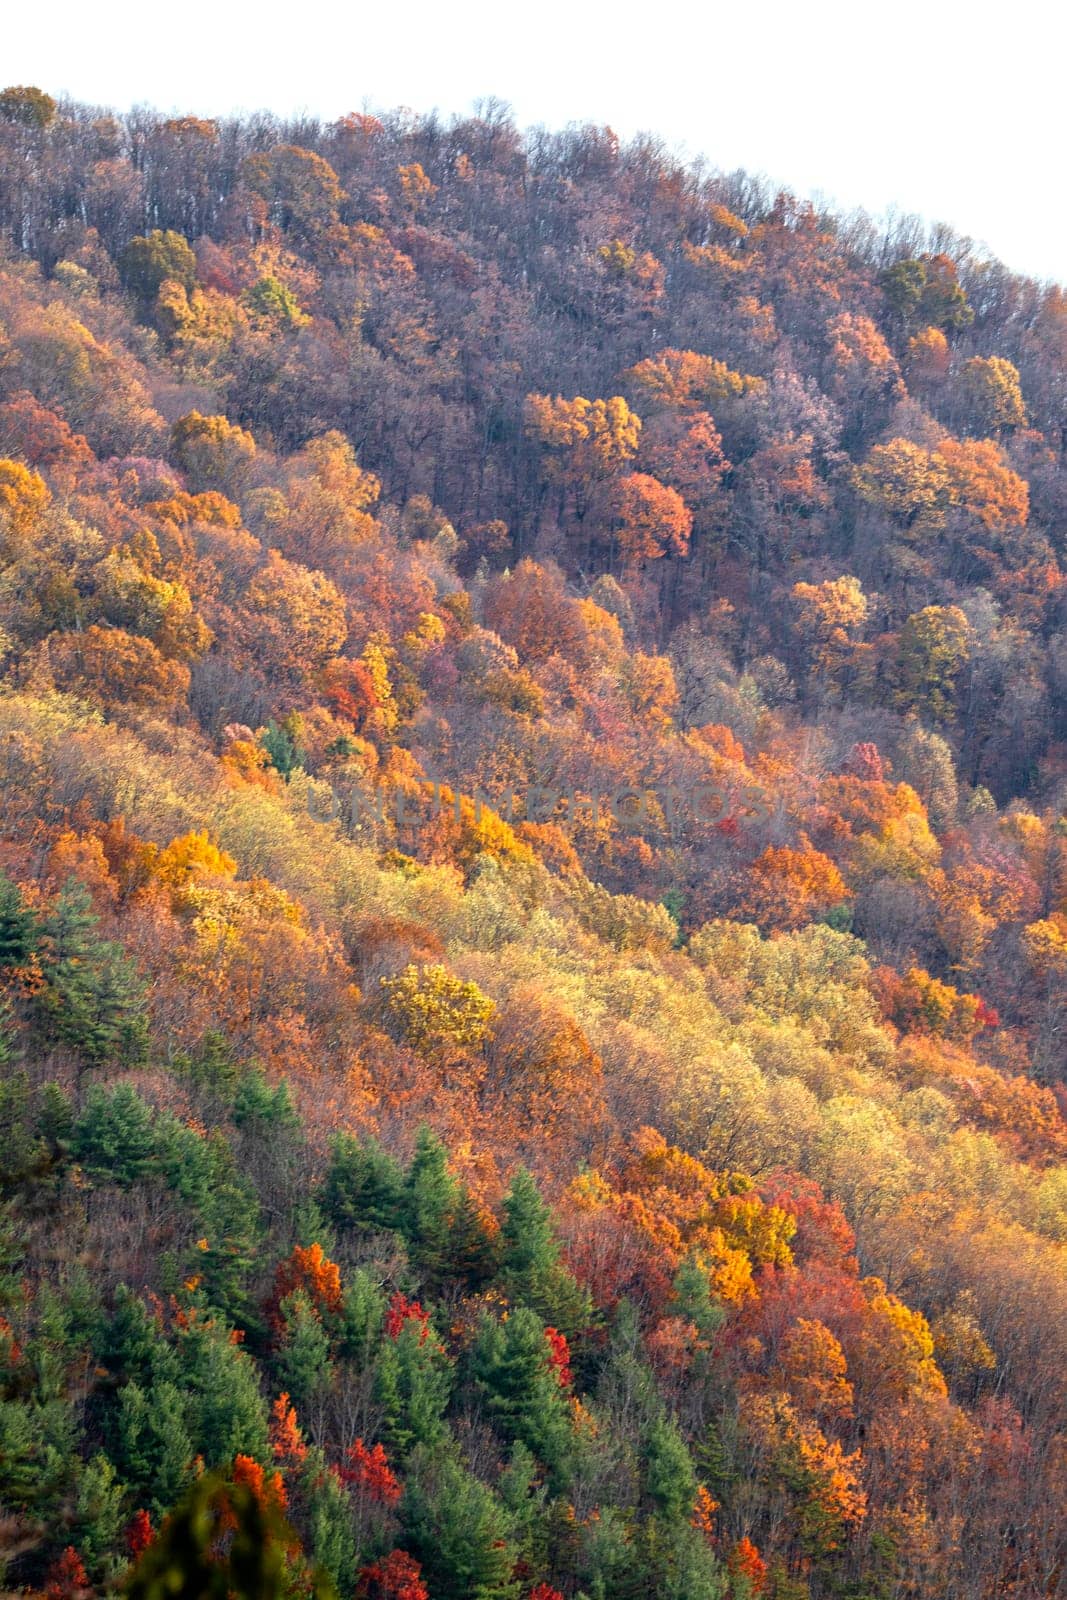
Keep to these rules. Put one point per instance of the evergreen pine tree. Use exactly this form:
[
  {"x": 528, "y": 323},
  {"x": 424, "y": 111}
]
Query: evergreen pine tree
[
  {"x": 626, "y": 1385},
  {"x": 93, "y": 996},
  {"x": 282, "y": 748},
  {"x": 83, "y": 1306},
  {"x": 694, "y": 1299},
  {"x": 9, "y": 1044},
  {"x": 715, "y": 1455},
  {"x": 413, "y": 1381},
  {"x": 524, "y": 1496},
  {"x": 98, "y": 1511},
  {"x": 21, "y": 1153},
  {"x": 447, "y": 1238},
  {"x": 227, "y": 1413},
  {"x": 20, "y": 1453},
  {"x": 153, "y": 1448},
  {"x": 18, "y": 926},
  {"x": 431, "y": 1200},
  {"x": 608, "y": 1563},
  {"x": 303, "y": 1357},
  {"x": 173, "y": 1449},
  {"x": 131, "y": 1345},
  {"x": 530, "y": 1248},
  {"x": 185, "y": 1159},
  {"x": 532, "y": 1273},
  {"x": 669, "y": 1480},
  {"x": 511, "y": 1365},
  {"x": 233, "y": 1228},
  {"x": 458, "y": 1530},
  {"x": 225, "y": 1210},
  {"x": 55, "y": 1118},
  {"x": 680, "y": 1565},
  {"x": 212, "y": 1066},
  {"x": 364, "y": 1186},
  {"x": 331, "y": 1527},
  {"x": 114, "y": 1137},
  {"x": 132, "y": 1445},
  {"x": 261, "y": 1106},
  {"x": 362, "y": 1316},
  {"x": 473, "y": 1251},
  {"x": 310, "y": 1226},
  {"x": 12, "y": 1256}
]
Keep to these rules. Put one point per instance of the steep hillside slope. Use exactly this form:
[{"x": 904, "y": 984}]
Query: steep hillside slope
[{"x": 533, "y": 875}]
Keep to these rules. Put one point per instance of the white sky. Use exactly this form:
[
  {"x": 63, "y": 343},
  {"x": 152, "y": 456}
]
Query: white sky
[{"x": 954, "y": 112}]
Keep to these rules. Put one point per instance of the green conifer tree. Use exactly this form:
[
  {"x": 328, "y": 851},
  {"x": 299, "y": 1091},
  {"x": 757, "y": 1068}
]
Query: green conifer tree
[
  {"x": 413, "y": 1381},
  {"x": 331, "y": 1529},
  {"x": 303, "y": 1357},
  {"x": 114, "y": 1137},
  {"x": 98, "y": 1511},
  {"x": 680, "y": 1565},
  {"x": 362, "y": 1316},
  {"x": 524, "y": 1496},
  {"x": 458, "y": 1530},
  {"x": 532, "y": 1273},
  {"x": 93, "y": 997},
  {"x": 55, "y": 1118},
  {"x": 669, "y": 1480},
  {"x": 153, "y": 1449},
  {"x": 9, "y": 1043},
  {"x": 511, "y": 1365},
  {"x": 694, "y": 1299},
  {"x": 131, "y": 1345},
  {"x": 474, "y": 1252},
  {"x": 21, "y": 1152},
  {"x": 262, "y": 1106},
  {"x": 227, "y": 1412},
  {"x": 310, "y": 1226},
  {"x": 19, "y": 930},
  {"x": 213, "y": 1066},
  {"x": 431, "y": 1200},
  {"x": 364, "y": 1186}
]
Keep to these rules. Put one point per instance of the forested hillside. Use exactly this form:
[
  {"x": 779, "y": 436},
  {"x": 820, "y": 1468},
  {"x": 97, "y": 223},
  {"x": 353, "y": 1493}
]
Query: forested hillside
[{"x": 533, "y": 875}]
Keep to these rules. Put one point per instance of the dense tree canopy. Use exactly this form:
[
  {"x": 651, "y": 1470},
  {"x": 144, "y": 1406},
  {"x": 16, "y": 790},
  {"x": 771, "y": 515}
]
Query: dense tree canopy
[{"x": 533, "y": 875}]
